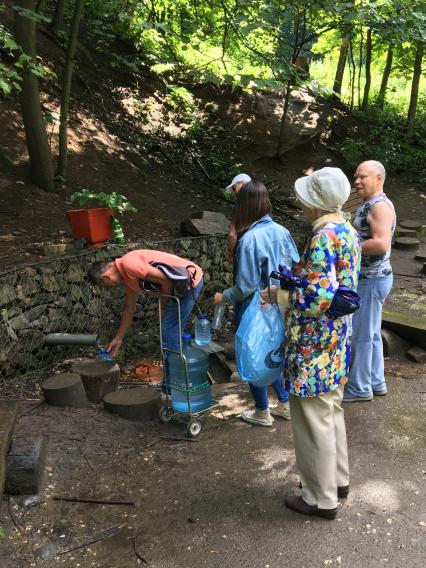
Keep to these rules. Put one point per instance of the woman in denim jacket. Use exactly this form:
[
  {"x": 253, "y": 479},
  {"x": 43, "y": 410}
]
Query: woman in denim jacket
[{"x": 261, "y": 246}]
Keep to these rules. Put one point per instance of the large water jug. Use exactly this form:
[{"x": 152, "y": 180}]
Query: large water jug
[
  {"x": 203, "y": 332},
  {"x": 198, "y": 386}
]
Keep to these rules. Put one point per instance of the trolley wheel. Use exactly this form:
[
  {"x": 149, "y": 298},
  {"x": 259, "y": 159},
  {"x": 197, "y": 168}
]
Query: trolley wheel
[
  {"x": 165, "y": 414},
  {"x": 193, "y": 428}
]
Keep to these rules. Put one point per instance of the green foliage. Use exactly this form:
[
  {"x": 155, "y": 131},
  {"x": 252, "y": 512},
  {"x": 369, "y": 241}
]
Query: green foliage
[
  {"x": 181, "y": 101},
  {"x": 382, "y": 136},
  {"x": 115, "y": 201},
  {"x": 2, "y": 533},
  {"x": 30, "y": 15}
]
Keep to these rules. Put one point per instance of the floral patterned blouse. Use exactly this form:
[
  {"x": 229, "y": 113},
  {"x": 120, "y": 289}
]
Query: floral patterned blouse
[{"x": 317, "y": 346}]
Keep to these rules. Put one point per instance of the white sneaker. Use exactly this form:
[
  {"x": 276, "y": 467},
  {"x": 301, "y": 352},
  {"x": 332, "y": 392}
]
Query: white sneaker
[
  {"x": 256, "y": 416},
  {"x": 281, "y": 409}
]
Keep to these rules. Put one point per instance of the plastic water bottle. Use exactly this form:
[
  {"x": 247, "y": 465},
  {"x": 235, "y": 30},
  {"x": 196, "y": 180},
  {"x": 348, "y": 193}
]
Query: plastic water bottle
[
  {"x": 198, "y": 386},
  {"x": 203, "y": 334},
  {"x": 219, "y": 310},
  {"x": 104, "y": 355}
]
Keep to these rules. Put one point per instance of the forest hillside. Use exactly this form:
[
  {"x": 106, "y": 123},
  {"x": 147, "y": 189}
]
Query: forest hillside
[{"x": 163, "y": 102}]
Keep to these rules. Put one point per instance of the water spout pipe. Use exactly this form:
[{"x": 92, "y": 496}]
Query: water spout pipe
[{"x": 71, "y": 339}]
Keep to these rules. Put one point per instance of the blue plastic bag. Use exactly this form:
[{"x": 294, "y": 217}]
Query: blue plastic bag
[{"x": 259, "y": 343}]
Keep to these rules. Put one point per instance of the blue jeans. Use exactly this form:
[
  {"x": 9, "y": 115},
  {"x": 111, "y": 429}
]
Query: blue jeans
[
  {"x": 170, "y": 321},
  {"x": 367, "y": 374},
  {"x": 260, "y": 394}
]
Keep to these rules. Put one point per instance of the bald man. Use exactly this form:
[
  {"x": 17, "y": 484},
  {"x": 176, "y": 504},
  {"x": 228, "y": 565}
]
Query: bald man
[{"x": 375, "y": 222}]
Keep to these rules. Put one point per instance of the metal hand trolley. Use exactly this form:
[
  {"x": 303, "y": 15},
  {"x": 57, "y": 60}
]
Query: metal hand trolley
[{"x": 167, "y": 412}]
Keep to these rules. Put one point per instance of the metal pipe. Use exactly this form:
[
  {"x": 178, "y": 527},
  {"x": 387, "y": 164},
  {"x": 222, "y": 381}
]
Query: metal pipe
[{"x": 71, "y": 339}]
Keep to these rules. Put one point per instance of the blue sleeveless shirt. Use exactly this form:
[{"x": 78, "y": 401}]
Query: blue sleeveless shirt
[{"x": 373, "y": 265}]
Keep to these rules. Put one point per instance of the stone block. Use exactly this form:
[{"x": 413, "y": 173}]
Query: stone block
[
  {"x": 393, "y": 344},
  {"x": 417, "y": 354},
  {"x": 25, "y": 465}
]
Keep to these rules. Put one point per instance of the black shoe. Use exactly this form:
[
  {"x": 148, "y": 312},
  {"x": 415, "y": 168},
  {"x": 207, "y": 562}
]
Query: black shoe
[
  {"x": 296, "y": 503},
  {"x": 342, "y": 490}
]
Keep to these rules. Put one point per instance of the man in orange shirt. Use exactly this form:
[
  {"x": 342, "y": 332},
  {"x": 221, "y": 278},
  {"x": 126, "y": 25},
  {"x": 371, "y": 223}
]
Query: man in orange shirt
[{"x": 135, "y": 269}]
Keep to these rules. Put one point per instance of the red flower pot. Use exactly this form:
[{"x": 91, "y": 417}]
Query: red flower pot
[{"x": 94, "y": 225}]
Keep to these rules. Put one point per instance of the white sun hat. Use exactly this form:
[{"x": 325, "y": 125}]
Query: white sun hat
[
  {"x": 327, "y": 189},
  {"x": 244, "y": 178}
]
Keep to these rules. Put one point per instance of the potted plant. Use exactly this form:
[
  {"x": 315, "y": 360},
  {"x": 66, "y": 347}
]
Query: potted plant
[{"x": 97, "y": 225}]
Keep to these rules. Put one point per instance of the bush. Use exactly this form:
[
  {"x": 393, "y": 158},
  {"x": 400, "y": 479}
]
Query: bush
[{"x": 382, "y": 135}]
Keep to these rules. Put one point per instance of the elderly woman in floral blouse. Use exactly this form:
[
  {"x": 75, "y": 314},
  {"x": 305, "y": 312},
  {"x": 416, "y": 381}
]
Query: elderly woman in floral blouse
[{"x": 318, "y": 344}]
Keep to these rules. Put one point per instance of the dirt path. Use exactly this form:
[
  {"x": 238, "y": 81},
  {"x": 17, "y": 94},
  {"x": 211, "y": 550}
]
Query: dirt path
[{"x": 218, "y": 502}]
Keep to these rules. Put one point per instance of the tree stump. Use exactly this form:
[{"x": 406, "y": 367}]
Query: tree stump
[
  {"x": 99, "y": 377},
  {"x": 25, "y": 465},
  {"x": 65, "y": 389},
  {"x": 414, "y": 224},
  {"x": 134, "y": 404},
  {"x": 407, "y": 243}
]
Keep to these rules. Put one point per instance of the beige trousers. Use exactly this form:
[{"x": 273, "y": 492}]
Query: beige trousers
[{"x": 319, "y": 436}]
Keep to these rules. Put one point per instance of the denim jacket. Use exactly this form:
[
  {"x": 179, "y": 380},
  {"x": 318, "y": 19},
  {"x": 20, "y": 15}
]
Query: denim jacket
[{"x": 260, "y": 250}]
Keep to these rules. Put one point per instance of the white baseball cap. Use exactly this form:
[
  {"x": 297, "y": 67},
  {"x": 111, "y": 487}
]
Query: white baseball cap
[
  {"x": 327, "y": 189},
  {"x": 240, "y": 177}
]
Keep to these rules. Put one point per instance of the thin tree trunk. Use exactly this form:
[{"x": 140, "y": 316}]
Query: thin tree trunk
[
  {"x": 385, "y": 78},
  {"x": 41, "y": 167},
  {"x": 66, "y": 88},
  {"x": 361, "y": 45},
  {"x": 415, "y": 85},
  {"x": 351, "y": 52},
  {"x": 368, "y": 54},
  {"x": 284, "y": 117},
  {"x": 340, "y": 71},
  {"x": 58, "y": 18}
]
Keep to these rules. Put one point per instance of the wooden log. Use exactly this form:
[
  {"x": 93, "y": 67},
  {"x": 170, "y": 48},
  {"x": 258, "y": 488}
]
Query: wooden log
[
  {"x": 8, "y": 412},
  {"x": 99, "y": 377},
  {"x": 134, "y": 404},
  {"x": 65, "y": 389},
  {"x": 25, "y": 465}
]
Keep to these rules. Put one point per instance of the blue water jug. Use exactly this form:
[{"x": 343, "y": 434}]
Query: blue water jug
[
  {"x": 203, "y": 331},
  {"x": 198, "y": 386}
]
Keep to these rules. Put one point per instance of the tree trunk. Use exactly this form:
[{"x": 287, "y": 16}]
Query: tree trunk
[
  {"x": 386, "y": 74},
  {"x": 41, "y": 166},
  {"x": 338, "y": 80},
  {"x": 415, "y": 85},
  {"x": 66, "y": 88},
  {"x": 368, "y": 50},
  {"x": 58, "y": 18},
  {"x": 284, "y": 117},
  {"x": 361, "y": 46}
]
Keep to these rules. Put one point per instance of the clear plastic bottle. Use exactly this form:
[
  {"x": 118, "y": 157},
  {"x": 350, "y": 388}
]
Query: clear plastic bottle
[
  {"x": 219, "y": 310},
  {"x": 198, "y": 387},
  {"x": 203, "y": 334}
]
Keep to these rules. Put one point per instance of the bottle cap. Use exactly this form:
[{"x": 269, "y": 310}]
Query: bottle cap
[
  {"x": 203, "y": 317},
  {"x": 186, "y": 336}
]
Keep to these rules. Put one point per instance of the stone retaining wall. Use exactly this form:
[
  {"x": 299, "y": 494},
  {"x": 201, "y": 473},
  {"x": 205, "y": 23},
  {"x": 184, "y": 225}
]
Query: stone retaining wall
[{"x": 54, "y": 296}]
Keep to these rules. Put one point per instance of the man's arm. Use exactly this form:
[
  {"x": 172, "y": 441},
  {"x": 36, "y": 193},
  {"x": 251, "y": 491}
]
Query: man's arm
[
  {"x": 126, "y": 320},
  {"x": 381, "y": 219},
  {"x": 231, "y": 241}
]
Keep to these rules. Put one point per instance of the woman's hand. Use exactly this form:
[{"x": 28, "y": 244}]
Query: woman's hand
[
  {"x": 114, "y": 346},
  {"x": 269, "y": 295},
  {"x": 218, "y": 298}
]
